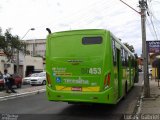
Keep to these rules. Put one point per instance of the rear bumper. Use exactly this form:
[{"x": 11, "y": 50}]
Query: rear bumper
[{"x": 74, "y": 96}]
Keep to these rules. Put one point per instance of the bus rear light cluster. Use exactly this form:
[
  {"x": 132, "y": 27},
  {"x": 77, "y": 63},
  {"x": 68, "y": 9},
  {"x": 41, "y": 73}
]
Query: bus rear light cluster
[
  {"x": 107, "y": 79},
  {"x": 48, "y": 79}
]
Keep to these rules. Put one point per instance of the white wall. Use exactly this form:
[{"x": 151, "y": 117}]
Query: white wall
[{"x": 37, "y": 62}]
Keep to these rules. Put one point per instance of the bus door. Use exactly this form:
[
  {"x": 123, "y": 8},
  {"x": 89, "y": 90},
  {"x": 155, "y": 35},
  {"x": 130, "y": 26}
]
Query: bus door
[
  {"x": 116, "y": 63},
  {"x": 118, "y": 72}
]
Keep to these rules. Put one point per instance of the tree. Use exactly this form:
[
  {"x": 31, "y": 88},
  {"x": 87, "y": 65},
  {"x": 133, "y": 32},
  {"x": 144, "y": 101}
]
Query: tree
[
  {"x": 10, "y": 44},
  {"x": 130, "y": 47}
]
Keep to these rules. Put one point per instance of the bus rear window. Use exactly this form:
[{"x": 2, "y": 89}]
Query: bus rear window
[{"x": 91, "y": 40}]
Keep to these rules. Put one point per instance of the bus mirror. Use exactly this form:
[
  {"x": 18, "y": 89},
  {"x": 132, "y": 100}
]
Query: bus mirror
[{"x": 49, "y": 31}]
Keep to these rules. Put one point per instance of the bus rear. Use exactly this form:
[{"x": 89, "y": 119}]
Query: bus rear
[{"x": 75, "y": 67}]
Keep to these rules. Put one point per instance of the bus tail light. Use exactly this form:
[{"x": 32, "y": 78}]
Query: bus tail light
[
  {"x": 48, "y": 79},
  {"x": 107, "y": 79}
]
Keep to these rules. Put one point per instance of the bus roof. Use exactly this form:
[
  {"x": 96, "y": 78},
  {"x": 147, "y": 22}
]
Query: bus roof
[
  {"x": 89, "y": 31},
  {"x": 83, "y": 31}
]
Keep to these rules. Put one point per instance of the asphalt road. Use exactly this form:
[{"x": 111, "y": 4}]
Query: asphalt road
[{"x": 37, "y": 107}]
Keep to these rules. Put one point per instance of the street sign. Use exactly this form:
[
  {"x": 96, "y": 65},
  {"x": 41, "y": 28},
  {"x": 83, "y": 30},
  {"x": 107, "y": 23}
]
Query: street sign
[{"x": 153, "y": 46}]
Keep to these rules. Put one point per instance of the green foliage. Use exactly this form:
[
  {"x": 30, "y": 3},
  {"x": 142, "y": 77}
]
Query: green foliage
[
  {"x": 130, "y": 47},
  {"x": 10, "y": 44}
]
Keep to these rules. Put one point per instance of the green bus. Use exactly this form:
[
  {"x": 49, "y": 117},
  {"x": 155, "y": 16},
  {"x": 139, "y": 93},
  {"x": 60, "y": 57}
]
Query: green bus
[{"x": 91, "y": 66}]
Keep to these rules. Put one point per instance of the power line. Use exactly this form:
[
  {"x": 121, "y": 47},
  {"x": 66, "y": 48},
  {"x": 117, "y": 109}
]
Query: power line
[
  {"x": 151, "y": 15},
  {"x": 150, "y": 29},
  {"x": 78, "y": 14},
  {"x": 155, "y": 1},
  {"x": 153, "y": 28}
]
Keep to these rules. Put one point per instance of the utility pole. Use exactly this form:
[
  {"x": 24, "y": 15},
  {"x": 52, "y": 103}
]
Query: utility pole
[
  {"x": 17, "y": 62},
  {"x": 143, "y": 6}
]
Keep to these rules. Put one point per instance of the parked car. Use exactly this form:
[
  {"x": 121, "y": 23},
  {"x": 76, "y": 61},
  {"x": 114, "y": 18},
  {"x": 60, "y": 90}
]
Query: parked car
[
  {"x": 40, "y": 79},
  {"x": 26, "y": 80},
  {"x": 1, "y": 83},
  {"x": 16, "y": 80},
  {"x": 150, "y": 71}
]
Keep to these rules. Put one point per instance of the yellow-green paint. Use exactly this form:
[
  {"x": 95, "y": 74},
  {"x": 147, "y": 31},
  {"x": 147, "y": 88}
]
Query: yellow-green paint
[{"x": 72, "y": 64}]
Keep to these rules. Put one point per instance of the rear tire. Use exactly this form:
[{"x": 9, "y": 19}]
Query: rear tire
[{"x": 126, "y": 88}]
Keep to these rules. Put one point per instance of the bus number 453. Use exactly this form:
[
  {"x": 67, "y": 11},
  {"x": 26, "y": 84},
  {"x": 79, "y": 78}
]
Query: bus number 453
[{"x": 92, "y": 71}]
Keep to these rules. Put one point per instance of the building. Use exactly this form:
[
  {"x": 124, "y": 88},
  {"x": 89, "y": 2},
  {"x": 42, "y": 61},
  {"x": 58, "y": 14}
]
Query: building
[
  {"x": 35, "y": 61},
  {"x": 32, "y": 65},
  {"x": 5, "y": 64},
  {"x": 36, "y": 47},
  {"x": 140, "y": 63}
]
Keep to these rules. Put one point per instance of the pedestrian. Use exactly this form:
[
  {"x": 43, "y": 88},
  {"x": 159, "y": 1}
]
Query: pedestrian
[
  {"x": 7, "y": 80},
  {"x": 1, "y": 75}
]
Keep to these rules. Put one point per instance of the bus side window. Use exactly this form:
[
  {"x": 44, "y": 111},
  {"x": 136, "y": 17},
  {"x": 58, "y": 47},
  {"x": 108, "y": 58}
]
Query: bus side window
[
  {"x": 126, "y": 59},
  {"x": 133, "y": 62},
  {"x": 114, "y": 51},
  {"x": 123, "y": 57},
  {"x": 129, "y": 60}
]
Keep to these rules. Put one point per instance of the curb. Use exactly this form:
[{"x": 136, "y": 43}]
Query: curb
[
  {"x": 137, "y": 109},
  {"x": 21, "y": 94},
  {"x": 138, "y": 106}
]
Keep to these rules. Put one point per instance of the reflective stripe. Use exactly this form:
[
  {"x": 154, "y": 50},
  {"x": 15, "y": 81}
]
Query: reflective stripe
[
  {"x": 91, "y": 89},
  {"x": 84, "y": 89}
]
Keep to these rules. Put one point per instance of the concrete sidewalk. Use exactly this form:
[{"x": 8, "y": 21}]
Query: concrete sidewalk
[
  {"x": 22, "y": 92},
  {"x": 151, "y": 106}
]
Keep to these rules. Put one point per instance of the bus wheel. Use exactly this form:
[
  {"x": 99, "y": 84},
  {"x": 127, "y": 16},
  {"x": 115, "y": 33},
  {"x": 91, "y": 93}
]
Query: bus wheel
[{"x": 126, "y": 88}]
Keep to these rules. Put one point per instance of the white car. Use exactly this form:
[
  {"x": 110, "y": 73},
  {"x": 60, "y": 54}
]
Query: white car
[
  {"x": 150, "y": 71},
  {"x": 26, "y": 80},
  {"x": 40, "y": 79}
]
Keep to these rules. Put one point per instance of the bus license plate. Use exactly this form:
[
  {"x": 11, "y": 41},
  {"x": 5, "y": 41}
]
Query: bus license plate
[{"x": 76, "y": 88}]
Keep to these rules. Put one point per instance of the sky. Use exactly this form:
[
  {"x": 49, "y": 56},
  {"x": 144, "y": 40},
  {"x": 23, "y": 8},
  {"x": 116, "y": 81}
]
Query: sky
[{"x": 61, "y": 15}]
